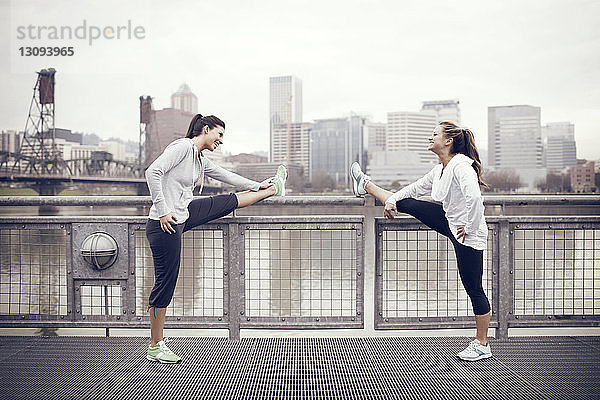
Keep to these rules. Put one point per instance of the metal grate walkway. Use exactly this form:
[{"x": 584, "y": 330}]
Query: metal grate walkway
[{"x": 337, "y": 368}]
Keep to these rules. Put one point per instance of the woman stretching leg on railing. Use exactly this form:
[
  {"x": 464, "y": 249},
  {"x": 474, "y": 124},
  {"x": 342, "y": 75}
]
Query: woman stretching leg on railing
[
  {"x": 455, "y": 183},
  {"x": 171, "y": 180}
]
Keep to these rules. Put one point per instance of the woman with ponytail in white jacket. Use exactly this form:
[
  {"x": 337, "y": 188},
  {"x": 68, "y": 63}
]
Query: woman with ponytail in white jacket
[{"x": 455, "y": 183}]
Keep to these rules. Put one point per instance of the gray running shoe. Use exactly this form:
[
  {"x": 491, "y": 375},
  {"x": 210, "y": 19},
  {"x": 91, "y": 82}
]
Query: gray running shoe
[
  {"x": 359, "y": 180},
  {"x": 475, "y": 351}
]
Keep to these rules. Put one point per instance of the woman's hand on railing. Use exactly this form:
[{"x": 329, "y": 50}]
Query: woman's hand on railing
[
  {"x": 166, "y": 221},
  {"x": 390, "y": 210}
]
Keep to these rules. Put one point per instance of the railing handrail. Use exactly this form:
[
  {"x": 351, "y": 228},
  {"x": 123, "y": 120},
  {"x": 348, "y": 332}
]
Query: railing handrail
[
  {"x": 334, "y": 200},
  {"x": 280, "y": 219},
  {"x": 351, "y": 218}
]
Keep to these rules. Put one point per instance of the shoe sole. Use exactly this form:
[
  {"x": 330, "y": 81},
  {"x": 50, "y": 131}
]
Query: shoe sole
[
  {"x": 282, "y": 194},
  {"x": 154, "y": 359},
  {"x": 354, "y": 182},
  {"x": 481, "y": 357}
]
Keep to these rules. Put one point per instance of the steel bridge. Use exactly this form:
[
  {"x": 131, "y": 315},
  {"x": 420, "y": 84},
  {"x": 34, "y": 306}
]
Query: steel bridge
[{"x": 73, "y": 172}]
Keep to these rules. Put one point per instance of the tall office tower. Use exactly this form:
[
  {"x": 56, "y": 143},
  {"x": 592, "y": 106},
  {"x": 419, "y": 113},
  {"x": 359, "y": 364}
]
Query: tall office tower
[
  {"x": 183, "y": 99},
  {"x": 375, "y": 136},
  {"x": 297, "y": 147},
  {"x": 285, "y": 96},
  {"x": 336, "y": 143},
  {"x": 559, "y": 145},
  {"x": 447, "y": 110},
  {"x": 409, "y": 131},
  {"x": 514, "y": 138}
]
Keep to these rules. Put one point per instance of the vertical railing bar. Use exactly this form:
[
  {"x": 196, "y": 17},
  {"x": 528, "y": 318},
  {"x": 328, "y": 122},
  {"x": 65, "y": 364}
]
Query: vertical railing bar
[
  {"x": 495, "y": 279},
  {"x": 378, "y": 317},
  {"x": 70, "y": 281},
  {"x": 235, "y": 271},
  {"x": 360, "y": 291},
  {"x": 106, "y": 300},
  {"x": 129, "y": 303},
  {"x": 505, "y": 278}
]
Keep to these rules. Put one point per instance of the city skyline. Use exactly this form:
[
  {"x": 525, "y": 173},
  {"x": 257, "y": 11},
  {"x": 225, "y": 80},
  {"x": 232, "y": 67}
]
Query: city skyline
[{"x": 543, "y": 55}]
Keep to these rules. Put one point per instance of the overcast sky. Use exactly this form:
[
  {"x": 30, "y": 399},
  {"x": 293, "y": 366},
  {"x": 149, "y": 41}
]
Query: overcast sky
[{"x": 367, "y": 57}]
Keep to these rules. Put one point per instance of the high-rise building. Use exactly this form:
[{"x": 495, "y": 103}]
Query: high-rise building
[
  {"x": 409, "y": 131},
  {"x": 183, "y": 99},
  {"x": 446, "y": 110},
  {"x": 285, "y": 97},
  {"x": 514, "y": 137},
  {"x": 336, "y": 143},
  {"x": 290, "y": 144},
  {"x": 375, "y": 136},
  {"x": 559, "y": 146}
]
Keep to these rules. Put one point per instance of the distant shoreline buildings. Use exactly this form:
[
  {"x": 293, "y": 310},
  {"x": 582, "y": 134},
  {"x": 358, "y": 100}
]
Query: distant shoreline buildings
[{"x": 393, "y": 152}]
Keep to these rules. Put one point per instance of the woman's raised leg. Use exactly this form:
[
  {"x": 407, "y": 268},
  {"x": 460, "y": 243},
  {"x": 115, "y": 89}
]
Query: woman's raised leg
[
  {"x": 248, "y": 198},
  {"x": 379, "y": 193}
]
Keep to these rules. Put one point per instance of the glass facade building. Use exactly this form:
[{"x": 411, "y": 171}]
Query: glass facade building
[
  {"x": 559, "y": 146},
  {"x": 335, "y": 143},
  {"x": 514, "y": 137}
]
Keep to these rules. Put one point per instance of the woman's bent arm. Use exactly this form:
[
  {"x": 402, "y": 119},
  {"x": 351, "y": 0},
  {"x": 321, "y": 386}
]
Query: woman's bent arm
[
  {"x": 421, "y": 187},
  {"x": 221, "y": 174}
]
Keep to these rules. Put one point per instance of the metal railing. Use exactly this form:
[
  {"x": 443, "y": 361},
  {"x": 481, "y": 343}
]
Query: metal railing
[
  {"x": 538, "y": 271},
  {"x": 242, "y": 272},
  {"x": 303, "y": 271}
]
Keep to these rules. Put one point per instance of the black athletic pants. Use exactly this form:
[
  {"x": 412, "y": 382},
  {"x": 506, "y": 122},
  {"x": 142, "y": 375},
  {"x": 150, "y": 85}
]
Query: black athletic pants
[
  {"x": 166, "y": 248},
  {"x": 469, "y": 260}
]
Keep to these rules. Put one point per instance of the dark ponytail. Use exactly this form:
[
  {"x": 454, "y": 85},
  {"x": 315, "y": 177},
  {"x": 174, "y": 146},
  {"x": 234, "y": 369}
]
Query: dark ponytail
[
  {"x": 463, "y": 142},
  {"x": 199, "y": 122}
]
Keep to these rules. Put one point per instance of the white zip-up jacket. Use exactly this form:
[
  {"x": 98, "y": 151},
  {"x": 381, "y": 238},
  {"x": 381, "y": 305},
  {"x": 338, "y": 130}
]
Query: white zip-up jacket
[
  {"x": 174, "y": 174},
  {"x": 457, "y": 188}
]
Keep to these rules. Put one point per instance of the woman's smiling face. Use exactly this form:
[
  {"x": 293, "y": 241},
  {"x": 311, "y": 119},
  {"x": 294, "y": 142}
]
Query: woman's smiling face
[
  {"x": 438, "y": 140},
  {"x": 213, "y": 138}
]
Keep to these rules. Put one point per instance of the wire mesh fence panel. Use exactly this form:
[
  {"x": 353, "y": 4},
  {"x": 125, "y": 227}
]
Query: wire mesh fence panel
[
  {"x": 420, "y": 277},
  {"x": 199, "y": 288},
  {"x": 300, "y": 273},
  {"x": 33, "y": 271},
  {"x": 557, "y": 271},
  {"x": 101, "y": 299}
]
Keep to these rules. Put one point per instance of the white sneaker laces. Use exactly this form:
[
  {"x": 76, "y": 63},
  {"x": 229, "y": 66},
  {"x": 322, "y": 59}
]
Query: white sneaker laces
[
  {"x": 471, "y": 346},
  {"x": 164, "y": 347},
  {"x": 166, "y": 350}
]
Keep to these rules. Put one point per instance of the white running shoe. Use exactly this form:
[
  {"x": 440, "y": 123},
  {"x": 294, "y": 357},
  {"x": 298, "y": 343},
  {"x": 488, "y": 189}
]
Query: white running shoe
[
  {"x": 359, "y": 180},
  {"x": 279, "y": 180},
  {"x": 475, "y": 351}
]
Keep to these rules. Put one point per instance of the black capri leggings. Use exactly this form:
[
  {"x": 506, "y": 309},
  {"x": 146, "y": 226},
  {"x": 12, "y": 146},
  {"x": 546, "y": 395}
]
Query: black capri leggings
[
  {"x": 469, "y": 260},
  {"x": 166, "y": 248}
]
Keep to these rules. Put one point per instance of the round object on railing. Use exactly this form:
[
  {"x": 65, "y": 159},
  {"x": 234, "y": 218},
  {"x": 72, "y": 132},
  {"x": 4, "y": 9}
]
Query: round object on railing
[{"x": 100, "y": 250}]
